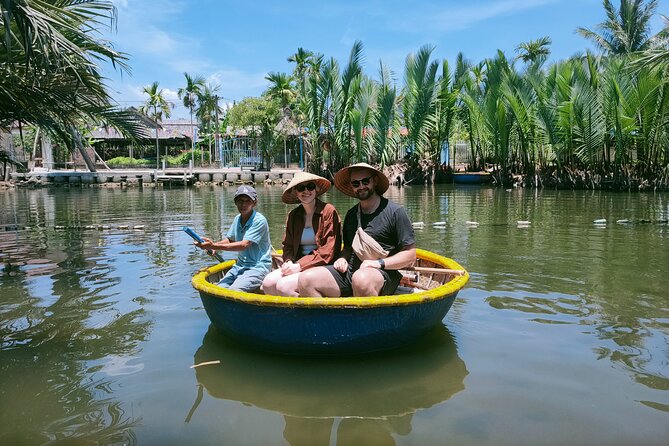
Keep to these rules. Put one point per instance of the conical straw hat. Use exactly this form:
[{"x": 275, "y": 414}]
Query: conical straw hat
[
  {"x": 289, "y": 195},
  {"x": 343, "y": 183}
]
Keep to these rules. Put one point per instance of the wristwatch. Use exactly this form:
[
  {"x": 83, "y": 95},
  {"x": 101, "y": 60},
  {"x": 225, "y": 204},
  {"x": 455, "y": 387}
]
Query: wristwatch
[{"x": 382, "y": 263}]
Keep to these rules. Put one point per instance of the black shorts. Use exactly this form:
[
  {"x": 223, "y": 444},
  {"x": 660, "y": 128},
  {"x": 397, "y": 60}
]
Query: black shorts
[{"x": 391, "y": 279}]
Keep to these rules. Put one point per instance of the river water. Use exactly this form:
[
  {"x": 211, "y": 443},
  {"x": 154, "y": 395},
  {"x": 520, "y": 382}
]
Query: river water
[{"x": 561, "y": 336}]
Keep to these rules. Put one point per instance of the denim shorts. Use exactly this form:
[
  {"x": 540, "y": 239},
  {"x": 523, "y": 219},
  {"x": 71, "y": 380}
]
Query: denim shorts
[{"x": 243, "y": 279}]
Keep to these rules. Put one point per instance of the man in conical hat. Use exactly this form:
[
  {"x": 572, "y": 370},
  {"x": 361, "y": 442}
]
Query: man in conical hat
[{"x": 366, "y": 267}]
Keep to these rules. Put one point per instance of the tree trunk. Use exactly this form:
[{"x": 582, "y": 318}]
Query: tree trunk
[
  {"x": 79, "y": 145},
  {"x": 47, "y": 152}
]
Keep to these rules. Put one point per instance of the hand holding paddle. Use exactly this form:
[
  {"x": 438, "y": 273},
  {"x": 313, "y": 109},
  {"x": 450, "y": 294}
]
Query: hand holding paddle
[{"x": 202, "y": 243}]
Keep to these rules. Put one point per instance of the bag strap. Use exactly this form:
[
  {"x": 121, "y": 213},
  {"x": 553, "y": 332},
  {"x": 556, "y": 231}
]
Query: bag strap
[{"x": 359, "y": 221}]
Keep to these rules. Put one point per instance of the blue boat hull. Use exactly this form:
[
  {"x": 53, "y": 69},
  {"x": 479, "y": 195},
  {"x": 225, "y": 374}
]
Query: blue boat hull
[
  {"x": 324, "y": 325},
  {"x": 472, "y": 178},
  {"x": 308, "y": 330}
]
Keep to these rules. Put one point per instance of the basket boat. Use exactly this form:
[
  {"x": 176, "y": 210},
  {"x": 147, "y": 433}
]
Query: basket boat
[{"x": 335, "y": 325}]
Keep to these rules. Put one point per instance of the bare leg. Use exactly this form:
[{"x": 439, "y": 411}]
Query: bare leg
[
  {"x": 318, "y": 282},
  {"x": 287, "y": 285},
  {"x": 269, "y": 284},
  {"x": 367, "y": 282}
]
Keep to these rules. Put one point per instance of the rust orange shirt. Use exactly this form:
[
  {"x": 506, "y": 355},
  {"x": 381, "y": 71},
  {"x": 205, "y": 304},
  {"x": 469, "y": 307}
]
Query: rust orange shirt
[{"x": 327, "y": 227}]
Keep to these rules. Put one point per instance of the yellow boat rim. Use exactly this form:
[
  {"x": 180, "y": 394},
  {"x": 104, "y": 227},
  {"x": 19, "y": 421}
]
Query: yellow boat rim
[{"x": 457, "y": 283}]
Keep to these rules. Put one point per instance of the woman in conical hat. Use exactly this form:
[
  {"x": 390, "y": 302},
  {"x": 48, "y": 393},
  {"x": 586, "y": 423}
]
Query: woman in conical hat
[{"x": 313, "y": 233}]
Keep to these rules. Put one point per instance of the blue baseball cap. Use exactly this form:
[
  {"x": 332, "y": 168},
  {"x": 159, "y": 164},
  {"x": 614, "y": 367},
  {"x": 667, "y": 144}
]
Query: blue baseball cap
[{"x": 249, "y": 191}]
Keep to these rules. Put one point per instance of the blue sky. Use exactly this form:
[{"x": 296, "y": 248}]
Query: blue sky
[{"x": 236, "y": 43}]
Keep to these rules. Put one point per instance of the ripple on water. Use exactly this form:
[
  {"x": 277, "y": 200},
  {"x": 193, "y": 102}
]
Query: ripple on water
[{"x": 545, "y": 304}]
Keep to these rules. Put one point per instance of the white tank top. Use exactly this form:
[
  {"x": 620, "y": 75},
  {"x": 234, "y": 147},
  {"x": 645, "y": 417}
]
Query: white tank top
[{"x": 308, "y": 241}]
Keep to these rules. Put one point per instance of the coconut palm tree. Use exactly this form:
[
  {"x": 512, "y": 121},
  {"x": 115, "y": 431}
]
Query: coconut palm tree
[
  {"x": 445, "y": 112},
  {"x": 281, "y": 88},
  {"x": 419, "y": 100},
  {"x": 313, "y": 110},
  {"x": 189, "y": 95},
  {"x": 384, "y": 123},
  {"x": 304, "y": 60},
  {"x": 345, "y": 92},
  {"x": 626, "y": 30},
  {"x": 48, "y": 72},
  {"x": 208, "y": 111},
  {"x": 360, "y": 117},
  {"x": 534, "y": 50},
  {"x": 155, "y": 107}
]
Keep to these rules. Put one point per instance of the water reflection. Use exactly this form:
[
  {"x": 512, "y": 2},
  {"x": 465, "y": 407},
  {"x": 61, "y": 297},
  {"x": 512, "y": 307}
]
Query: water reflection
[
  {"x": 88, "y": 317},
  {"x": 358, "y": 400},
  {"x": 58, "y": 327}
]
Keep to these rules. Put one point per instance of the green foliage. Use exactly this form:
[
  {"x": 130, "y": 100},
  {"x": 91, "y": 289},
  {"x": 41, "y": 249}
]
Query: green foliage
[
  {"x": 281, "y": 89},
  {"x": 49, "y": 75},
  {"x": 627, "y": 29},
  {"x": 124, "y": 161},
  {"x": 156, "y": 106},
  {"x": 255, "y": 115},
  {"x": 603, "y": 113},
  {"x": 258, "y": 117},
  {"x": 534, "y": 50},
  {"x": 184, "y": 158}
]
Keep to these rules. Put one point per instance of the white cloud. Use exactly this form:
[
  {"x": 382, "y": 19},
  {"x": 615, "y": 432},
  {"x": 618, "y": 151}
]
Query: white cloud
[
  {"x": 462, "y": 17},
  {"x": 189, "y": 65},
  {"x": 236, "y": 84},
  {"x": 171, "y": 95},
  {"x": 153, "y": 41},
  {"x": 350, "y": 34}
]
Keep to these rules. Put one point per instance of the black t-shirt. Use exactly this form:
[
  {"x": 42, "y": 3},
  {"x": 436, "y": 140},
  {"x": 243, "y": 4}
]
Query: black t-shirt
[{"x": 389, "y": 225}]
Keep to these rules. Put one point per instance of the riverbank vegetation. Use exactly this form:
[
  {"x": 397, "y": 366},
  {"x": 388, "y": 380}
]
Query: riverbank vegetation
[
  {"x": 591, "y": 121},
  {"x": 595, "y": 120}
]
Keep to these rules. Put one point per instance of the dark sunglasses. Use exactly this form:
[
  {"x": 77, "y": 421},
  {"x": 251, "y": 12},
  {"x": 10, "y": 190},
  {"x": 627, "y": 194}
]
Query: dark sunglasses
[
  {"x": 363, "y": 181},
  {"x": 308, "y": 186}
]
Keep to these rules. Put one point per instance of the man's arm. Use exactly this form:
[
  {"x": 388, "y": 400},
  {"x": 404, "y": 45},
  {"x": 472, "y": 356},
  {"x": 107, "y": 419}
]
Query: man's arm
[
  {"x": 209, "y": 245},
  {"x": 406, "y": 257},
  {"x": 233, "y": 246},
  {"x": 224, "y": 245}
]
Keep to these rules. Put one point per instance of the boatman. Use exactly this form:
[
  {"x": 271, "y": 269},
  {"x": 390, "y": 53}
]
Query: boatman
[
  {"x": 249, "y": 237},
  {"x": 378, "y": 241}
]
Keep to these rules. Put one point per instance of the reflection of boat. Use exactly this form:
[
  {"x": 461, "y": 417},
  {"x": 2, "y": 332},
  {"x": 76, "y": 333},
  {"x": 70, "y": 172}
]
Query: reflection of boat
[
  {"x": 334, "y": 325},
  {"x": 379, "y": 385},
  {"x": 472, "y": 177}
]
